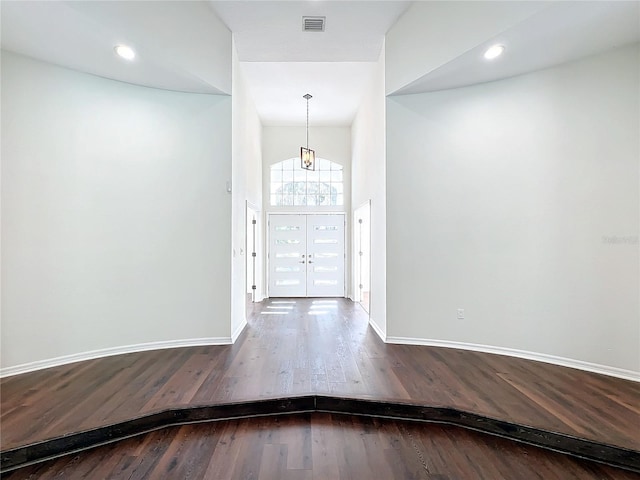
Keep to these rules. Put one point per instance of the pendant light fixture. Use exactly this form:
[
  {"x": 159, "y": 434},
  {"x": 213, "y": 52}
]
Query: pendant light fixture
[{"x": 307, "y": 156}]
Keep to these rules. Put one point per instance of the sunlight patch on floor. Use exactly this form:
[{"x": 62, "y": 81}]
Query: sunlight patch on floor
[{"x": 279, "y": 307}]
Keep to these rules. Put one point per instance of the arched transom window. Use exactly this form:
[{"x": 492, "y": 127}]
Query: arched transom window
[{"x": 293, "y": 186}]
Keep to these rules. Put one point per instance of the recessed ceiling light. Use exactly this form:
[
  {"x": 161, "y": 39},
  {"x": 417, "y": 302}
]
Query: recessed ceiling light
[
  {"x": 494, "y": 52},
  {"x": 125, "y": 52}
]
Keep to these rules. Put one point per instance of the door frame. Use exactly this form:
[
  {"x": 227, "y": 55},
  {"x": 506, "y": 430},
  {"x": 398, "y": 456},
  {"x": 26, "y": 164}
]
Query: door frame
[
  {"x": 249, "y": 258},
  {"x": 357, "y": 260},
  {"x": 268, "y": 247}
]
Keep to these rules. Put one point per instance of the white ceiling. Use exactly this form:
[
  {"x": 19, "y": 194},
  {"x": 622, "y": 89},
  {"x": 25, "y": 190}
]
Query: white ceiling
[
  {"x": 179, "y": 45},
  {"x": 282, "y": 63},
  {"x": 176, "y": 42},
  {"x": 266, "y": 31},
  {"x": 336, "y": 87},
  {"x": 559, "y": 33}
]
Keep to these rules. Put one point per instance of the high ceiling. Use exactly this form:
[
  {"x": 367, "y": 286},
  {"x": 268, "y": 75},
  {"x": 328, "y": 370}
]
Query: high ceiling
[
  {"x": 282, "y": 62},
  {"x": 174, "y": 40},
  {"x": 179, "y": 45},
  {"x": 267, "y": 31},
  {"x": 557, "y": 33}
]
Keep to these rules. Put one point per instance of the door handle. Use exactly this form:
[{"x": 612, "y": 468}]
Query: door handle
[
  {"x": 302, "y": 261},
  {"x": 310, "y": 261}
]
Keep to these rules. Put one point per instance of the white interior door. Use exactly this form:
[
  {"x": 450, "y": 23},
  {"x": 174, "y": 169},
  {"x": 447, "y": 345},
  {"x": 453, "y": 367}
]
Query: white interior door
[{"x": 306, "y": 255}]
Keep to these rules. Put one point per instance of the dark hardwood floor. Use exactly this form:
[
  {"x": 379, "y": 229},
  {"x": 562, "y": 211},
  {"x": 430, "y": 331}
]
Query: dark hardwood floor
[
  {"x": 318, "y": 446},
  {"x": 329, "y": 351}
]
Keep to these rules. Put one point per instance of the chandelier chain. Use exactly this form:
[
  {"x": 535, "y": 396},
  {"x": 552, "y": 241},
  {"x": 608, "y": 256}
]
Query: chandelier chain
[
  {"x": 307, "y": 97},
  {"x": 307, "y": 156}
]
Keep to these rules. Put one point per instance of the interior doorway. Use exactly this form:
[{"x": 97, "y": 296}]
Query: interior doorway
[
  {"x": 362, "y": 257},
  {"x": 306, "y": 255}
]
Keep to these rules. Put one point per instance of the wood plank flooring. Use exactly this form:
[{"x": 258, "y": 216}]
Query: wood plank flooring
[
  {"x": 318, "y": 446},
  {"x": 314, "y": 347}
]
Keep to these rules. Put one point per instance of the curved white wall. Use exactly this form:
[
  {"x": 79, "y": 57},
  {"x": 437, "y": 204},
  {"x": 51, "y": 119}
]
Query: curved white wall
[
  {"x": 116, "y": 223},
  {"x": 518, "y": 201}
]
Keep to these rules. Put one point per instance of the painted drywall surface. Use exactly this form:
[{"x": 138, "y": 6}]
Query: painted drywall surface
[
  {"x": 116, "y": 224},
  {"x": 246, "y": 185},
  {"x": 368, "y": 173},
  {"x": 518, "y": 201},
  {"x": 332, "y": 143},
  {"x": 430, "y": 34}
]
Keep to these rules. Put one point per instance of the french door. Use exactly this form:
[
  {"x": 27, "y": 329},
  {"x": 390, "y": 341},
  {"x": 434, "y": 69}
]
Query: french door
[{"x": 306, "y": 255}]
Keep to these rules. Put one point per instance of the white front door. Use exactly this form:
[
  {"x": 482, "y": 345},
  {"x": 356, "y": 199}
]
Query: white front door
[
  {"x": 287, "y": 255},
  {"x": 325, "y": 255},
  {"x": 306, "y": 255}
]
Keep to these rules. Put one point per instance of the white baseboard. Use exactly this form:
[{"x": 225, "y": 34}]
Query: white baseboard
[
  {"x": 377, "y": 329},
  {"x": 108, "y": 352},
  {"x": 196, "y": 342},
  {"x": 236, "y": 333},
  {"x": 540, "y": 357}
]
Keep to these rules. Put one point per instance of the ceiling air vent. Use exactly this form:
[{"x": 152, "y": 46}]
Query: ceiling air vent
[{"x": 313, "y": 24}]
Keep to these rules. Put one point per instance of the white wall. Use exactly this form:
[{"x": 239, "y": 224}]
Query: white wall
[
  {"x": 518, "y": 201},
  {"x": 246, "y": 186},
  {"x": 115, "y": 218},
  {"x": 368, "y": 173}
]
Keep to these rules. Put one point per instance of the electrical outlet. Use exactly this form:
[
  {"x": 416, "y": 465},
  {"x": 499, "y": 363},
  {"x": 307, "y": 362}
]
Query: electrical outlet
[{"x": 461, "y": 314}]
